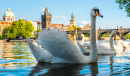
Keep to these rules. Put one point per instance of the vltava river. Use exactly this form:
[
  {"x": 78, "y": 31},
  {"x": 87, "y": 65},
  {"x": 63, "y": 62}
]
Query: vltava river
[{"x": 16, "y": 59}]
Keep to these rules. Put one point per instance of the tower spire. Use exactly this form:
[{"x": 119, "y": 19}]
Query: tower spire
[
  {"x": 72, "y": 16},
  {"x": 46, "y": 11}
]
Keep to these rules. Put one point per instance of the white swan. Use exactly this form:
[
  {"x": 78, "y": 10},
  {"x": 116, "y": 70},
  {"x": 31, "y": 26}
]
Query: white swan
[
  {"x": 121, "y": 43},
  {"x": 104, "y": 48},
  {"x": 60, "y": 49}
]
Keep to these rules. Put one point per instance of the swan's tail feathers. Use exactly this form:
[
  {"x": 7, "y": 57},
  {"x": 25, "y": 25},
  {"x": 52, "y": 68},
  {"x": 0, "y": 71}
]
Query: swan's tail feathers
[
  {"x": 84, "y": 51},
  {"x": 39, "y": 54}
]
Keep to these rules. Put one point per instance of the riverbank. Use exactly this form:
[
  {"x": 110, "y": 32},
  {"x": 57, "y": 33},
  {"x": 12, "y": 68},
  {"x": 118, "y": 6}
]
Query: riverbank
[{"x": 22, "y": 40}]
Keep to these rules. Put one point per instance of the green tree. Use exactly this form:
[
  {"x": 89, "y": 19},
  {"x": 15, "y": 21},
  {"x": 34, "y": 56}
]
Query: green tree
[
  {"x": 37, "y": 31},
  {"x": 78, "y": 28},
  {"x": 10, "y": 32},
  {"x": 127, "y": 36},
  {"x": 87, "y": 35},
  {"x": 124, "y": 4},
  {"x": 19, "y": 28}
]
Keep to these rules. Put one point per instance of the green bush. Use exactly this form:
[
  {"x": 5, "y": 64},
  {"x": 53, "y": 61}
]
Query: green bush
[
  {"x": 1, "y": 36},
  {"x": 127, "y": 36},
  {"x": 87, "y": 35},
  {"x": 106, "y": 35},
  {"x": 20, "y": 27}
]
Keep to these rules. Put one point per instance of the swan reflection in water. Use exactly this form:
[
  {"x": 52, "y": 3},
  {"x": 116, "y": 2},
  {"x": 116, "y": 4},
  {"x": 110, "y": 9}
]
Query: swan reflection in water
[{"x": 49, "y": 69}]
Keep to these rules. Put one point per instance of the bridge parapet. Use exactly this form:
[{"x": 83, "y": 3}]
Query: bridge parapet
[{"x": 100, "y": 32}]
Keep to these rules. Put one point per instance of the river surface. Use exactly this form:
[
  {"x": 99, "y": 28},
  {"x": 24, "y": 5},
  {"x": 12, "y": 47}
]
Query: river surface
[{"x": 16, "y": 59}]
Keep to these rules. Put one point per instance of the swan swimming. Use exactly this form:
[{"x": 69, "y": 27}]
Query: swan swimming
[
  {"x": 105, "y": 48},
  {"x": 60, "y": 49}
]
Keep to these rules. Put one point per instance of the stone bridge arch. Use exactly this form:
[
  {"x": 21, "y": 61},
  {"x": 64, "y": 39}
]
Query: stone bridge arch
[
  {"x": 124, "y": 34},
  {"x": 70, "y": 32},
  {"x": 100, "y": 34},
  {"x": 124, "y": 31}
]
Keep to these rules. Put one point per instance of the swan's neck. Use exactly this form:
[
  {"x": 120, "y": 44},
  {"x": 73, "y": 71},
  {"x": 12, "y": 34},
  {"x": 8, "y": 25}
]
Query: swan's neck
[
  {"x": 111, "y": 42},
  {"x": 93, "y": 52},
  {"x": 82, "y": 40}
]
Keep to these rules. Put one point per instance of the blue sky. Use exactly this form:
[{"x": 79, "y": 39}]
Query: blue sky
[{"x": 61, "y": 11}]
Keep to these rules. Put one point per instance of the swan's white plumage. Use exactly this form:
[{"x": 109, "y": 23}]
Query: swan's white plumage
[
  {"x": 104, "y": 48},
  {"x": 38, "y": 53},
  {"x": 61, "y": 49},
  {"x": 59, "y": 45}
]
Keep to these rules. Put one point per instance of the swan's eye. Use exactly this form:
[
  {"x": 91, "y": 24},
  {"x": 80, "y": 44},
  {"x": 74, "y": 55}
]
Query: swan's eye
[{"x": 96, "y": 10}]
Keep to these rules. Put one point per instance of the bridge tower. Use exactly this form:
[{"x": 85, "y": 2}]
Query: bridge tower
[{"x": 46, "y": 19}]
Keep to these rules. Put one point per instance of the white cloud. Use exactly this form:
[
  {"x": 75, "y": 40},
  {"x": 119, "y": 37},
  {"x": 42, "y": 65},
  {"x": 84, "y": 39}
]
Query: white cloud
[
  {"x": 84, "y": 22},
  {"x": 43, "y": 9},
  {"x": 52, "y": 18},
  {"x": 61, "y": 17}
]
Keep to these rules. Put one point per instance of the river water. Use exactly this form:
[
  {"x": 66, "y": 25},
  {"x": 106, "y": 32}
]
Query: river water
[{"x": 16, "y": 59}]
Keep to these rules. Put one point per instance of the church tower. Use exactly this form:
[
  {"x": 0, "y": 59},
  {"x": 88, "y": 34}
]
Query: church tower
[
  {"x": 72, "y": 21},
  {"x": 46, "y": 19}
]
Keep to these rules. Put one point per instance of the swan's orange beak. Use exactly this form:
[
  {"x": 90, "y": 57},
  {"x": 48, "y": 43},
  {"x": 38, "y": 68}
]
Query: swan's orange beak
[{"x": 98, "y": 14}]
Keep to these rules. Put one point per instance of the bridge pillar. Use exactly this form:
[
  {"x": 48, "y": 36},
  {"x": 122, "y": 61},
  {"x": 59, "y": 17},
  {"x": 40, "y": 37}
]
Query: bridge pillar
[{"x": 96, "y": 34}]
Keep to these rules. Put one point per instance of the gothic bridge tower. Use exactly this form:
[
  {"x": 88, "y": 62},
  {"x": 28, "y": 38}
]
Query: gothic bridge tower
[{"x": 46, "y": 19}]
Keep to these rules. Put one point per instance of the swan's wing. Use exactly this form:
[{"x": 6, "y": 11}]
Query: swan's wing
[
  {"x": 38, "y": 41},
  {"x": 39, "y": 54},
  {"x": 84, "y": 51},
  {"x": 59, "y": 45}
]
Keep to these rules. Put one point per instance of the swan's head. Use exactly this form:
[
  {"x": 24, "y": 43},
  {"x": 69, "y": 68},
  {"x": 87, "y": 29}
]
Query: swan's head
[
  {"x": 114, "y": 32},
  {"x": 95, "y": 12}
]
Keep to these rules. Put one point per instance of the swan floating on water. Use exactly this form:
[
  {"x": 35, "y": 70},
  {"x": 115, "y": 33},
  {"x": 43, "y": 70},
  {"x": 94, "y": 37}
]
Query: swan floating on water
[
  {"x": 105, "y": 48},
  {"x": 60, "y": 49}
]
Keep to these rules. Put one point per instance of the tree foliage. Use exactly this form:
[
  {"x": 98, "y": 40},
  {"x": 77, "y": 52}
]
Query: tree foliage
[
  {"x": 124, "y": 4},
  {"x": 106, "y": 35},
  {"x": 19, "y": 28},
  {"x": 88, "y": 35},
  {"x": 72, "y": 28},
  {"x": 78, "y": 28},
  {"x": 37, "y": 31},
  {"x": 127, "y": 36}
]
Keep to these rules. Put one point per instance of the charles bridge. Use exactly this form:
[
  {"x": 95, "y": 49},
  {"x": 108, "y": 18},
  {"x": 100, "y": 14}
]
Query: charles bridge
[{"x": 100, "y": 32}]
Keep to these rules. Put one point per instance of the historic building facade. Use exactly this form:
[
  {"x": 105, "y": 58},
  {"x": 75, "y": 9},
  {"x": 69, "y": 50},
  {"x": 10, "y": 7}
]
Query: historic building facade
[
  {"x": 36, "y": 25},
  {"x": 72, "y": 21},
  {"x": 46, "y": 19},
  {"x": 87, "y": 27},
  {"x": 9, "y": 16},
  {"x": 59, "y": 26},
  {"x": 7, "y": 20}
]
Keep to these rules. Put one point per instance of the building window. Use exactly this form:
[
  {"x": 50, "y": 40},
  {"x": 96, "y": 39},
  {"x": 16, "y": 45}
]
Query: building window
[
  {"x": 4, "y": 25},
  {"x": 7, "y": 19},
  {"x": 4, "y": 19},
  {"x": 11, "y": 19}
]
